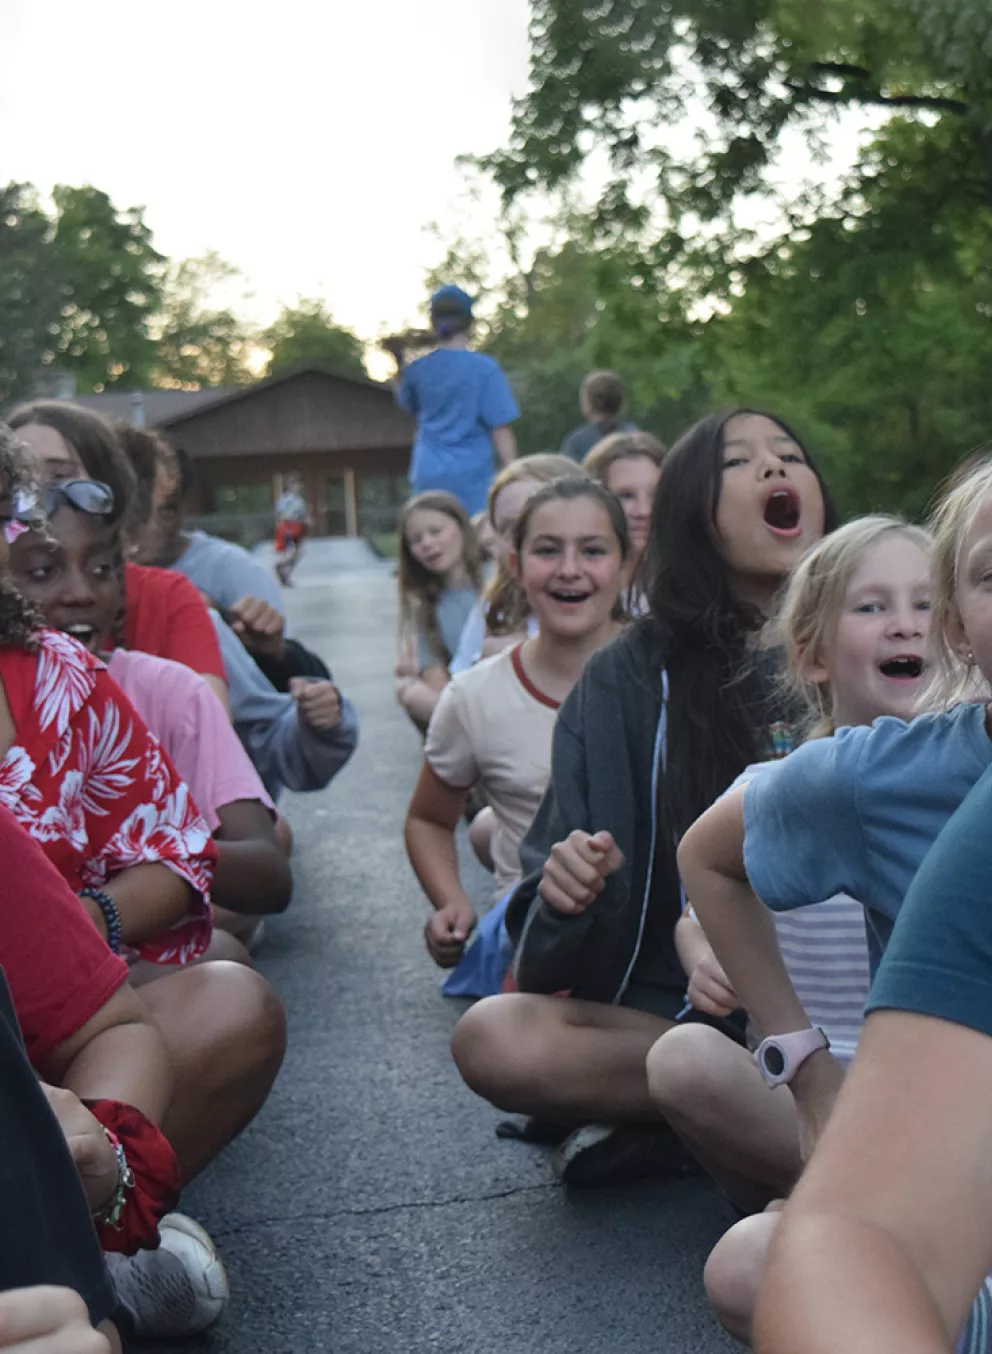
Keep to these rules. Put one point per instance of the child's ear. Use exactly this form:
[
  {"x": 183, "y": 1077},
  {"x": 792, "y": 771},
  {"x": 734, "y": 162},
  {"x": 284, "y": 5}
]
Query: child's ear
[
  {"x": 513, "y": 563},
  {"x": 810, "y": 668},
  {"x": 957, "y": 640}
]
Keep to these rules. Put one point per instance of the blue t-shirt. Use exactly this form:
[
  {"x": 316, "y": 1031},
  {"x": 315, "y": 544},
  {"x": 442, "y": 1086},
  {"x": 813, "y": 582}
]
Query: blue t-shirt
[
  {"x": 939, "y": 960},
  {"x": 453, "y": 609},
  {"x": 580, "y": 441},
  {"x": 857, "y": 813},
  {"x": 457, "y": 397},
  {"x": 226, "y": 572}
]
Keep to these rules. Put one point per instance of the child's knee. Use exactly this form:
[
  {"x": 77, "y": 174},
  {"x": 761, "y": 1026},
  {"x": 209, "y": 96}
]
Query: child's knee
[
  {"x": 685, "y": 1069},
  {"x": 734, "y": 1271},
  {"x": 493, "y": 1048}
]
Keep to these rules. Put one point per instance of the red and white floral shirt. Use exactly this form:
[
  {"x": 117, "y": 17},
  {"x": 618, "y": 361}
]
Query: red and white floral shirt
[{"x": 92, "y": 784}]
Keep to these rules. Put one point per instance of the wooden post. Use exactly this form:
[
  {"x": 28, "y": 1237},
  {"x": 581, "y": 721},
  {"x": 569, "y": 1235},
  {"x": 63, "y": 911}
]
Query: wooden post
[{"x": 350, "y": 504}]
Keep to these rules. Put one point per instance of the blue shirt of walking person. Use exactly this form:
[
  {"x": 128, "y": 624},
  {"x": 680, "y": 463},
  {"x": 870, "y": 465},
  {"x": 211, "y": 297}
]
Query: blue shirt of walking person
[{"x": 459, "y": 399}]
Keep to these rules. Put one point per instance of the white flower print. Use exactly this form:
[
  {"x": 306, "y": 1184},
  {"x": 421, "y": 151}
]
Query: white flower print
[
  {"x": 156, "y": 772},
  {"x": 16, "y": 771},
  {"x": 59, "y": 754},
  {"x": 65, "y": 820},
  {"x": 101, "y": 758},
  {"x": 64, "y": 680},
  {"x": 162, "y": 832}
]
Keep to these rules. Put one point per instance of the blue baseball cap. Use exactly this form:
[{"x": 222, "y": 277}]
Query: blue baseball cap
[{"x": 452, "y": 297}]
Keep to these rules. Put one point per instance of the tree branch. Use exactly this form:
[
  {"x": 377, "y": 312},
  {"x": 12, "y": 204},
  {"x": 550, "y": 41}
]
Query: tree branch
[{"x": 813, "y": 94}]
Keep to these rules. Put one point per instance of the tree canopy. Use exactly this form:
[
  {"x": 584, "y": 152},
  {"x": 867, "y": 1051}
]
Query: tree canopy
[
  {"x": 306, "y": 332},
  {"x": 84, "y": 291},
  {"x": 863, "y": 316},
  {"x": 697, "y": 93}
]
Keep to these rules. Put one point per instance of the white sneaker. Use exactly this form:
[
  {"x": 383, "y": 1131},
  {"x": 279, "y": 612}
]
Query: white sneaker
[{"x": 179, "y": 1289}]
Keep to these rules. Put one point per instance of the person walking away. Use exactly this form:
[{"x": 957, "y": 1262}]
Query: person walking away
[
  {"x": 601, "y": 398},
  {"x": 463, "y": 406}
]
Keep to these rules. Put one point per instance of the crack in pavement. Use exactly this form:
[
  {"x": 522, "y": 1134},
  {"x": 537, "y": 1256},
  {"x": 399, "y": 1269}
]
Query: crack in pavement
[{"x": 380, "y": 1210}]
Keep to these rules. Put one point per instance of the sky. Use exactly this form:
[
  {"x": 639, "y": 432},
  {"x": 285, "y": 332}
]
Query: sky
[{"x": 307, "y": 143}]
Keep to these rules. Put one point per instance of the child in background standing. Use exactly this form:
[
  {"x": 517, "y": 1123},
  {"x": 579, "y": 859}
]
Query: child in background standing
[
  {"x": 440, "y": 578},
  {"x": 292, "y": 520},
  {"x": 601, "y": 399},
  {"x": 463, "y": 406},
  {"x": 629, "y": 464}
]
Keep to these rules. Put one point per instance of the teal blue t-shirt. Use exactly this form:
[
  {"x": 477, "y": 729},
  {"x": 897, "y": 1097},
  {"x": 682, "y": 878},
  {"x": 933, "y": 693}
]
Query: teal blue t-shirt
[
  {"x": 857, "y": 813},
  {"x": 939, "y": 960},
  {"x": 457, "y": 397}
]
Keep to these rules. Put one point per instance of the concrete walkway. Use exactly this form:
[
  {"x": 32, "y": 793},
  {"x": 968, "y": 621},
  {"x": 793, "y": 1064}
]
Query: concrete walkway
[{"x": 370, "y": 1209}]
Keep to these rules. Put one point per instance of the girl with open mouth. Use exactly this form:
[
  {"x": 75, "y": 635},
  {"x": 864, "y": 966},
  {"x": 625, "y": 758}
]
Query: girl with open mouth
[{"x": 660, "y": 723}]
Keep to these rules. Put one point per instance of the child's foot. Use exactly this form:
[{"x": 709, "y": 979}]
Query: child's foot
[{"x": 179, "y": 1289}]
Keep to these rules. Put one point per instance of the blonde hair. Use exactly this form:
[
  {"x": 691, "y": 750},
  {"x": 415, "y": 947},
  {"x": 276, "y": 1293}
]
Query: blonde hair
[
  {"x": 419, "y": 588},
  {"x": 814, "y": 598},
  {"x": 622, "y": 447},
  {"x": 543, "y": 468},
  {"x": 506, "y": 605},
  {"x": 951, "y": 522}
]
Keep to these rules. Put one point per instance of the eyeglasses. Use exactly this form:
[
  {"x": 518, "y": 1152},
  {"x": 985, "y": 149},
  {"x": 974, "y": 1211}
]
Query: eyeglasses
[{"x": 90, "y": 496}]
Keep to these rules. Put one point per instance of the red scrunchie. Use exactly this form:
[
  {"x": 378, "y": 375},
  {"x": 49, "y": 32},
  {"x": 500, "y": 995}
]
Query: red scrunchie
[{"x": 156, "y": 1177}]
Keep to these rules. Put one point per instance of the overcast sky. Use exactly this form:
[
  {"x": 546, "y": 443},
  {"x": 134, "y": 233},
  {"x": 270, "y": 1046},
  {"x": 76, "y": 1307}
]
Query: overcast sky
[{"x": 307, "y": 143}]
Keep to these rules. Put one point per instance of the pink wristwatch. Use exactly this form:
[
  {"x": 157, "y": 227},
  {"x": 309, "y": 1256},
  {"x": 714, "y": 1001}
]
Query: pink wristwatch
[{"x": 780, "y": 1057}]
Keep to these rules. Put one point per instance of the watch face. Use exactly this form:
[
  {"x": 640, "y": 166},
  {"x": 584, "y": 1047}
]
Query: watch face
[{"x": 774, "y": 1060}]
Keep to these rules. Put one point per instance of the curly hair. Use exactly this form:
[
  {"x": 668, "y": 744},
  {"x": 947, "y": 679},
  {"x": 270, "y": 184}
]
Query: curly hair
[{"x": 19, "y": 621}]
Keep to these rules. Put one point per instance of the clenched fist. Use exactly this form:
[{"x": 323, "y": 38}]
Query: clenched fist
[
  {"x": 318, "y": 703},
  {"x": 576, "y": 870}
]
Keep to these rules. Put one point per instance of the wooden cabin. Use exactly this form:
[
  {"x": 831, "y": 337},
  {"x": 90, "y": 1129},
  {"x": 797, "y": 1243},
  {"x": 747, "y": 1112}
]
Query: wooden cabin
[{"x": 343, "y": 434}]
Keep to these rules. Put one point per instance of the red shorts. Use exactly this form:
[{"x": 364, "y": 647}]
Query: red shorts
[{"x": 289, "y": 533}]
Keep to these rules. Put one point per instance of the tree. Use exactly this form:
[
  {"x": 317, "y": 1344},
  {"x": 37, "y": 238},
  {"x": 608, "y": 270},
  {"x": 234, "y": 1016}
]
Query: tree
[
  {"x": 110, "y": 276},
  {"x": 30, "y": 297},
  {"x": 306, "y": 332},
  {"x": 200, "y": 343},
  {"x": 697, "y": 93},
  {"x": 871, "y": 329}
]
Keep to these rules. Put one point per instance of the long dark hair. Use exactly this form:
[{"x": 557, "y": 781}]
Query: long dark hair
[
  {"x": 93, "y": 440},
  {"x": 718, "y": 698}
]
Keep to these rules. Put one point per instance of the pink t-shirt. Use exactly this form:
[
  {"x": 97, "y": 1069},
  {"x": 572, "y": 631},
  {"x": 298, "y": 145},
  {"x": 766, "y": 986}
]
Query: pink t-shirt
[{"x": 192, "y": 725}]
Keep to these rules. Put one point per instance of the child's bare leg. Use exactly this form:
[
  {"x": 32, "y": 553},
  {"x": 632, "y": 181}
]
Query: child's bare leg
[
  {"x": 734, "y": 1272},
  {"x": 741, "y": 1131},
  {"x": 555, "y": 1058}
]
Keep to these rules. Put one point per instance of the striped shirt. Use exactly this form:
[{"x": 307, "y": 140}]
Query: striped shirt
[
  {"x": 826, "y": 955},
  {"x": 825, "y": 950}
]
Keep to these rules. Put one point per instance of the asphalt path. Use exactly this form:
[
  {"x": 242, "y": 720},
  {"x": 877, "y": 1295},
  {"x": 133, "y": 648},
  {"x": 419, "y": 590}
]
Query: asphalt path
[{"x": 370, "y": 1207}]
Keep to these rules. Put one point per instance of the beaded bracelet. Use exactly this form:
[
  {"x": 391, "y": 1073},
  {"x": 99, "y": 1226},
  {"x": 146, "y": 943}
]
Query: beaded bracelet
[
  {"x": 110, "y": 1214},
  {"x": 111, "y": 916}
]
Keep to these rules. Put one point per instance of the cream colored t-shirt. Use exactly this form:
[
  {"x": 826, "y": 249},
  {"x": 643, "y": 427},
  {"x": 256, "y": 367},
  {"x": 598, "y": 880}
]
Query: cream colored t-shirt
[{"x": 492, "y": 727}]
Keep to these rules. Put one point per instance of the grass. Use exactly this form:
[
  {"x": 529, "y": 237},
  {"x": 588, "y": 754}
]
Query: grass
[{"x": 385, "y": 544}]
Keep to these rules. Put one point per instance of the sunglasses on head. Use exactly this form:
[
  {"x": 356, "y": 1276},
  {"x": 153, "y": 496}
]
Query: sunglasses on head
[{"x": 90, "y": 496}]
